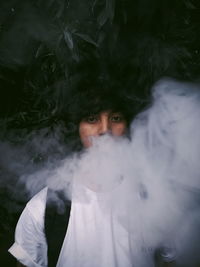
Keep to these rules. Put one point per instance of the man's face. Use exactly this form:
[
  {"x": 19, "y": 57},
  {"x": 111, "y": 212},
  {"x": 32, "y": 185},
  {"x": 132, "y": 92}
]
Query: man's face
[{"x": 104, "y": 122}]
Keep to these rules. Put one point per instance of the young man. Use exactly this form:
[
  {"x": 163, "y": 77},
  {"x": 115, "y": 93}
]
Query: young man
[
  {"x": 91, "y": 239},
  {"x": 30, "y": 247}
]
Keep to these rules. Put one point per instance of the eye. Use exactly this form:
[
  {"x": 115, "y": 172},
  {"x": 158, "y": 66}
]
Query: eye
[
  {"x": 91, "y": 119},
  {"x": 117, "y": 118}
]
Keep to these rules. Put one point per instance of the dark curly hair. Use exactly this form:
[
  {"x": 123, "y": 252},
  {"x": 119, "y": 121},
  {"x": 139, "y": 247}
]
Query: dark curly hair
[{"x": 98, "y": 87}]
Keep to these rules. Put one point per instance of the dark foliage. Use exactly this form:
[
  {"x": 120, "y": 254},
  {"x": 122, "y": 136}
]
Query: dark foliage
[{"x": 47, "y": 45}]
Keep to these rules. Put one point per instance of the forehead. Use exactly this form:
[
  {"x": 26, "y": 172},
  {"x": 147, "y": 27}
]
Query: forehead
[
  {"x": 103, "y": 113},
  {"x": 106, "y": 112}
]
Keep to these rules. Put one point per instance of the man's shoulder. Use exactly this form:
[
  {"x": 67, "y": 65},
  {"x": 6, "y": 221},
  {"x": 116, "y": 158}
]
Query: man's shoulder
[{"x": 37, "y": 204}]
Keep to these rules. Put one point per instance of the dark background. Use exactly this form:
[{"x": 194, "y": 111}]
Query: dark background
[{"x": 49, "y": 46}]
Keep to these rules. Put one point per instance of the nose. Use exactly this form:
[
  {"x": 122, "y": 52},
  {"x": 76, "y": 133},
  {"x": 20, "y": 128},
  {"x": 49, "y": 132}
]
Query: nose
[{"x": 104, "y": 126}]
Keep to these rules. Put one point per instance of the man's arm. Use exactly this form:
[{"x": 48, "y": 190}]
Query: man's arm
[{"x": 30, "y": 242}]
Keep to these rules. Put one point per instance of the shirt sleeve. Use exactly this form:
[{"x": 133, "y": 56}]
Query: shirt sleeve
[{"x": 30, "y": 246}]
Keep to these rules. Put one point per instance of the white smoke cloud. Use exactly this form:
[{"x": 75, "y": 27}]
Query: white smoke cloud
[{"x": 150, "y": 182}]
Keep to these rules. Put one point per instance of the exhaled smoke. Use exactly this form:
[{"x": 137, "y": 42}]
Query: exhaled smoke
[{"x": 149, "y": 183}]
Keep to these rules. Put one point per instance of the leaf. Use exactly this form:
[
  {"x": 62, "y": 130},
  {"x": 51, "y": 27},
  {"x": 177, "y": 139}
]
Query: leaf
[
  {"x": 39, "y": 51},
  {"x": 50, "y": 3},
  {"x": 60, "y": 10},
  {"x": 107, "y": 13},
  {"x": 94, "y": 4},
  {"x": 68, "y": 39},
  {"x": 102, "y": 18},
  {"x": 110, "y": 8},
  {"x": 86, "y": 38},
  {"x": 59, "y": 41},
  {"x": 189, "y": 5}
]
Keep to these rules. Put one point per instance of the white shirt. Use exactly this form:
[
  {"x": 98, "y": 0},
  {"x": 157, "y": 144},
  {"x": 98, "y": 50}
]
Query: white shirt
[
  {"x": 30, "y": 247},
  {"x": 94, "y": 237}
]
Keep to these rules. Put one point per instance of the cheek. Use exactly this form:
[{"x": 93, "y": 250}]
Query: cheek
[
  {"x": 119, "y": 129},
  {"x": 83, "y": 134},
  {"x": 85, "y": 131}
]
